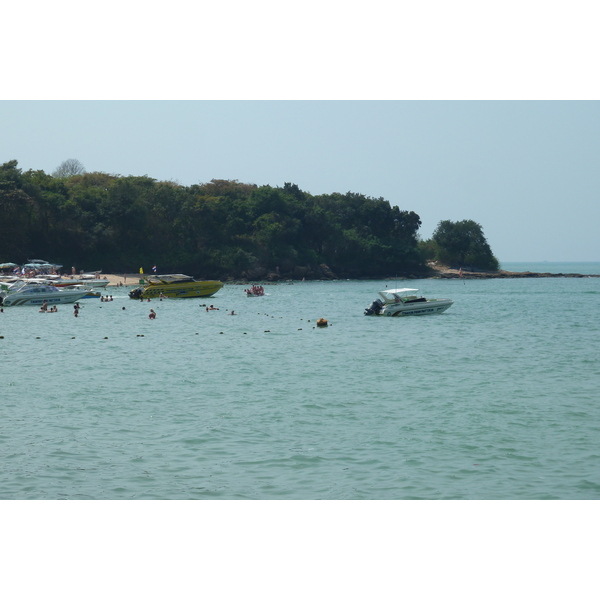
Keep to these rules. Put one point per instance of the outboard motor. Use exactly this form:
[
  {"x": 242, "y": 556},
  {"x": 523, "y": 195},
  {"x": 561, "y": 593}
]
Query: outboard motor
[
  {"x": 374, "y": 308},
  {"x": 136, "y": 293}
]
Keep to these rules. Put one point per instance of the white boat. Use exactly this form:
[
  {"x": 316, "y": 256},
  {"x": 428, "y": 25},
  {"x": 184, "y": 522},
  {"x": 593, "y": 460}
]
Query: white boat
[
  {"x": 403, "y": 302},
  {"x": 25, "y": 292},
  {"x": 87, "y": 279}
]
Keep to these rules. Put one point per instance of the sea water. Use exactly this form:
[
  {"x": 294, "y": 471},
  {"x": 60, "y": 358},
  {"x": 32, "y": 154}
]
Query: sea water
[{"x": 497, "y": 398}]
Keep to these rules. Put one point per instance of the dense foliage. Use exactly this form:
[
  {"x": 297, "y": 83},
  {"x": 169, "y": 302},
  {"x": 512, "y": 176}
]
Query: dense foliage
[
  {"x": 223, "y": 229},
  {"x": 460, "y": 243}
]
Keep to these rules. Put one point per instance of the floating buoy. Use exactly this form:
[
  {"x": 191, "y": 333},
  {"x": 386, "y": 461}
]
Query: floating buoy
[{"x": 322, "y": 322}]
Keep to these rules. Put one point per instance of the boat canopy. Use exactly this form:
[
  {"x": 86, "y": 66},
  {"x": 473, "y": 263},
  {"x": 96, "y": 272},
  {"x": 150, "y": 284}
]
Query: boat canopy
[
  {"x": 172, "y": 278},
  {"x": 391, "y": 295}
]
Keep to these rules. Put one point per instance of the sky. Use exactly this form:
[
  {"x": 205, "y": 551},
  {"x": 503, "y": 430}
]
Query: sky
[{"x": 526, "y": 171}]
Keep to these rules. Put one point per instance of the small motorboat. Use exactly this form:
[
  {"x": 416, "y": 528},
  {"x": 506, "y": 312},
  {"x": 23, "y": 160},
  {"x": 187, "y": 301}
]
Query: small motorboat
[
  {"x": 25, "y": 292},
  {"x": 255, "y": 290},
  {"x": 403, "y": 302}
]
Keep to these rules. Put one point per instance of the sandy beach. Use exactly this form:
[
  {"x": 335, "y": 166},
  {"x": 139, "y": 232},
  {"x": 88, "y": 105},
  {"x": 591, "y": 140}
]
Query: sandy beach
[{"x": 125, "y": 279}]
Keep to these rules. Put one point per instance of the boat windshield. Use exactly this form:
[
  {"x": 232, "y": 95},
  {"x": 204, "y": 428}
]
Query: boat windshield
[{"x": 32, "y": 287}]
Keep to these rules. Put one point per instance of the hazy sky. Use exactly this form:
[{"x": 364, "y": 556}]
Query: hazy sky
[{"x": 527, "y": 171}]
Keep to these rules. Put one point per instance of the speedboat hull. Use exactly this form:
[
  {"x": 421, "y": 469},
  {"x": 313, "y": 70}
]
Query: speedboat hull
[{"x": 429, "y": 307}]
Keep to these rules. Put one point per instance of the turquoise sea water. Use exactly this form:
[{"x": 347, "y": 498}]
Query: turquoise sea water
[{"x": 494, "y": 399}]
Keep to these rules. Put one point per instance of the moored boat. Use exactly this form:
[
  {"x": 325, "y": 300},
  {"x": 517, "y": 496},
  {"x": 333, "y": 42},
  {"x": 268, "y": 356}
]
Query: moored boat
[
  {"x": 175, "y": 286},
  {"x": 403, "y": 302},
  {"x": 25, "y": 292},
  {"x": 88, "y": 279}
]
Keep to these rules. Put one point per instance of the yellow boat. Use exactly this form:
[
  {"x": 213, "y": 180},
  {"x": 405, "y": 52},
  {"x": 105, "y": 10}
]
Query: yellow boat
[{"x": 175, "y": 286}]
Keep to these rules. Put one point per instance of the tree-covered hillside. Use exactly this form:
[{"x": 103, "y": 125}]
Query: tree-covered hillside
[{"x": 223, "y": 229}]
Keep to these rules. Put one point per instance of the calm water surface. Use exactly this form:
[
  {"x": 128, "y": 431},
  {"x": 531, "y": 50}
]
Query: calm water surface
[{"x": 494, "y": 399}]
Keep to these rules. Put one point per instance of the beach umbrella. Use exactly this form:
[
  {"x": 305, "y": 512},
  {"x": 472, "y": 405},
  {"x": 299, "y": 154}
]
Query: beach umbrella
[{"x": 7, "y": 265}]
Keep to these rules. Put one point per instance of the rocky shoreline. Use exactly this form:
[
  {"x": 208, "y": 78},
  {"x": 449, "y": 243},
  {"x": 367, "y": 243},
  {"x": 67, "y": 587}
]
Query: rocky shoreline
[{"x": 450, "y": 273}]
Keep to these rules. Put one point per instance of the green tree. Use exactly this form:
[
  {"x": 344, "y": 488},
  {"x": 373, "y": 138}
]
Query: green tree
[
  {"x": 16, "y": 213},
  {"x": 463, "y": 243}
]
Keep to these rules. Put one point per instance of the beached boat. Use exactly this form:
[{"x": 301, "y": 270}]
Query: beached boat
[
  {"x": 175, "y": 286},
  {"x": 403, "y": 302},
  {"x": 25, "y": 292}
]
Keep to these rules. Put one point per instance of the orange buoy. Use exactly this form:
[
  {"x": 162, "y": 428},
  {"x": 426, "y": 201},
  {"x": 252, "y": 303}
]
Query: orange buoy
[{"x": 322, "y": 322}]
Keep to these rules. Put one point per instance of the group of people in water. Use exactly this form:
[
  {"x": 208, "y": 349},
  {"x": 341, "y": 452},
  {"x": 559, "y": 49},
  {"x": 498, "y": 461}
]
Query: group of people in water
[
  {"x": 161, "y": 297},
  {"x": 45, "y": 308},
  {"x": 108, "y": 298},
  {"x": 53, "y": 309},
  {"x": 255, "y": 290}
]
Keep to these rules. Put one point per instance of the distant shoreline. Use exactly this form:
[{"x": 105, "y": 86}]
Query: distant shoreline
[{"x": 131, "y": 279}]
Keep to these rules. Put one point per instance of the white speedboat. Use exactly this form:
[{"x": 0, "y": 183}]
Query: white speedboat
[
  {"x": 24, "y": 292},
  {"x": 404, "y": 302}
]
